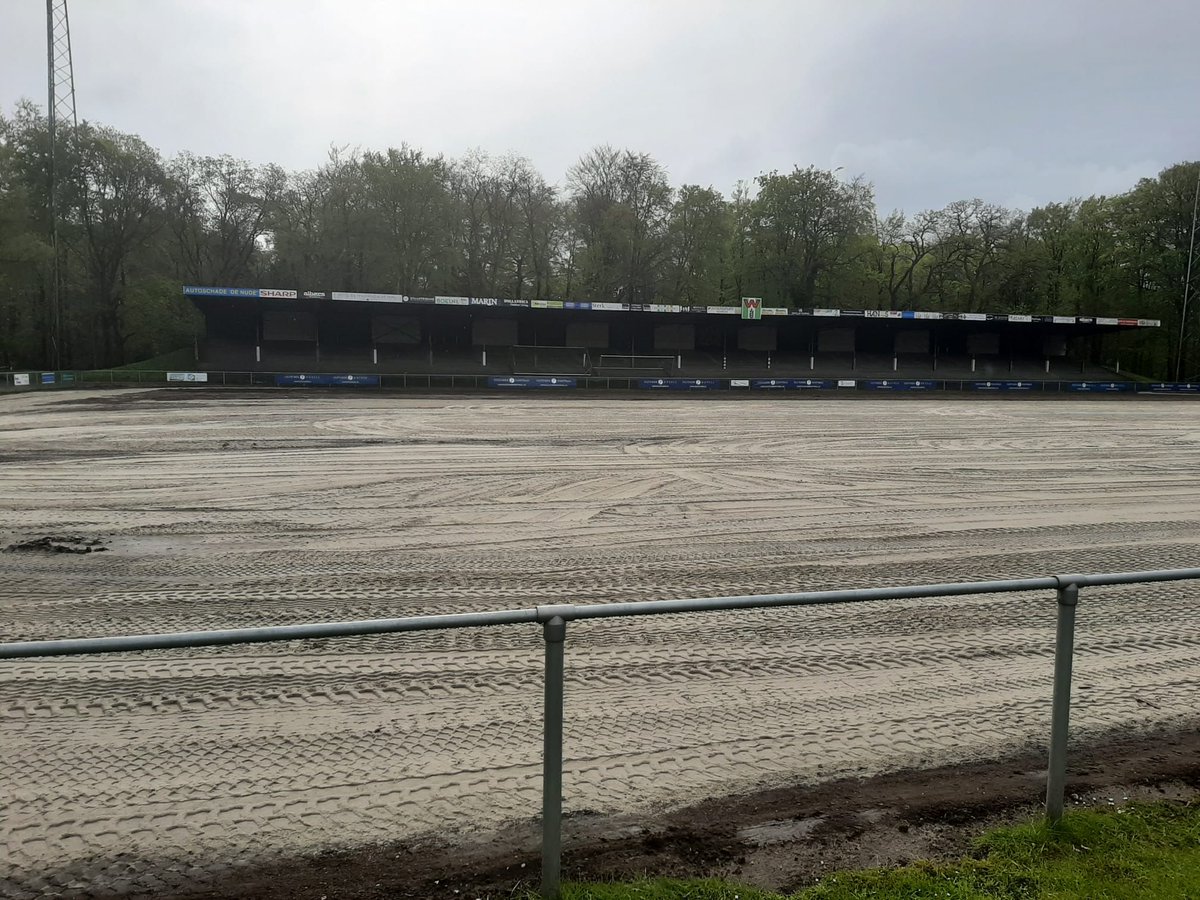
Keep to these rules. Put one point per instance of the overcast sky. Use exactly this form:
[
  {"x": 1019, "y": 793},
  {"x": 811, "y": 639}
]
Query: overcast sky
[{"x": 1015, "y": 101}]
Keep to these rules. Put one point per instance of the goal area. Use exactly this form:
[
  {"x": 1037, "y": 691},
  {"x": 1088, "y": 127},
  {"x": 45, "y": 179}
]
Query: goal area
[{"x": 532, "y": 360}]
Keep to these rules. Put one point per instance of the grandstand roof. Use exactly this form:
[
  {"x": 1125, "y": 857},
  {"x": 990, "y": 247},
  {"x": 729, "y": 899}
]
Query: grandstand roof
[{"x": 200, "y": 292}]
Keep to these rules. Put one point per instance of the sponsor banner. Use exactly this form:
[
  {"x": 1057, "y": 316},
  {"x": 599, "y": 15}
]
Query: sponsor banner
[
  {"x": 67, "y": 377},
  {"x": 187, "y": 376},
  {"x": 847, "y": 382},
  {"x": 21, "y": 379},
  {"x": 1003, "y": 385},
  {"x": 791, "y": 384},
  {"x": 531, "y": 381},
  {"x": 1174, "y": 387},
  {"x": 739, "y": 382},
  {"x": 680, "y": 384},
  {"x": 1102, "y": 387},
  {"x": 47, "y": 378},
  {"x": 359, "y": 297},
  {"x": 890, "y": 384},
  {"x": 191, "y": 290},
  {"x": 321, "y": 380},
  {"x": 755, "y": 309}
]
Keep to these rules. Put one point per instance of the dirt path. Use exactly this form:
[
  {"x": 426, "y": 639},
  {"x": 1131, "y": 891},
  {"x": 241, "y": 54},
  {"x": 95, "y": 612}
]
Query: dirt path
[
  {"x": 781, "y": 839},
  {"x": 245, "y": 510}
]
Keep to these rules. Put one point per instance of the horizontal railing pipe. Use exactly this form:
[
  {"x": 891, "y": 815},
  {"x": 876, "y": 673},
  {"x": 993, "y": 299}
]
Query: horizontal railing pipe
[
  {"x": 1130, "y": 577},
  {"x": 808, "y": 598},
  {"x": 554, "y": 618},
  {"x": 126, "y": 643}
]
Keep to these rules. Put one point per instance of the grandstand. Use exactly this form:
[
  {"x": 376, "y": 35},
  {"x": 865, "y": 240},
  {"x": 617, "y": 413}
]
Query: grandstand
[{"x": 273, "y": 330}]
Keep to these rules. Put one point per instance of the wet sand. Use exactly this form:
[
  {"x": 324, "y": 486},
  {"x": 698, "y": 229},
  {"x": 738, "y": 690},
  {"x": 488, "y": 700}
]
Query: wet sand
[{"x": 147, "y": 771}]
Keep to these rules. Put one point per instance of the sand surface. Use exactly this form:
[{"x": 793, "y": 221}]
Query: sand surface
[{"x": 235, "y": 510}]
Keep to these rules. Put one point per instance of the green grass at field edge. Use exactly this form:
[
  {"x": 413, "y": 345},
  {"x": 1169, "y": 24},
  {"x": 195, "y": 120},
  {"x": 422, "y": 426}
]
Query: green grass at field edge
[{"x": 1137, "y": 852}]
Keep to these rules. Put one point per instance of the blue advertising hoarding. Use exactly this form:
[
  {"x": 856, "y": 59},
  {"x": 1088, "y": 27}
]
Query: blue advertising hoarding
[
  {"x": 901, "y": 384},
  {"x": 192, "y": 290},
  {"x": 531, "y": 381},
  {"x": 322, "y": 380},
  {"x": 680, "y": 384},
  {"x": 1172, "y": 387},
  {"x": 1102, "y": 387},
  {"x": 1004, "y": 385},
  {"x": 792, "y": 384}
]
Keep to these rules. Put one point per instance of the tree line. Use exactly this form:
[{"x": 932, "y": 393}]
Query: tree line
[{"x": 135, "y": 227}]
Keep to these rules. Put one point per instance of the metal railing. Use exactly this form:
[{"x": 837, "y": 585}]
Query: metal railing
[
  {"x": 554, "y": 619},
  {"x": 707, "y": 381}
]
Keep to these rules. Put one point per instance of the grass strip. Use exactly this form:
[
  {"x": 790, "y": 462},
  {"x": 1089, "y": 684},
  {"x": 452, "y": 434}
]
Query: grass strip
[{"x": 1137, "y": 852}]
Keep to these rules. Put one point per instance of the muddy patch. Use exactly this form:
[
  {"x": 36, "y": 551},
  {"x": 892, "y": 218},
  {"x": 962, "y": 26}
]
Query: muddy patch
[{"x": 58, "y": 543}]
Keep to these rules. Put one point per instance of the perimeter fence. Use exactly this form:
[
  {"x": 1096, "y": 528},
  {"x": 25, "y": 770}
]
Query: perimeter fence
[
  {"x": 553, "y": 620},
  {"x": 646, "y": 382}
]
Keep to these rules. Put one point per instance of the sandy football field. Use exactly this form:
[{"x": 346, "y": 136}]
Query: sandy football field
[{"x": 149, "y": 771}]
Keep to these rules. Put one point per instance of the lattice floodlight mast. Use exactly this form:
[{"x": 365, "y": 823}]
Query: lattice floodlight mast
[{"x": 60, "y": 113}]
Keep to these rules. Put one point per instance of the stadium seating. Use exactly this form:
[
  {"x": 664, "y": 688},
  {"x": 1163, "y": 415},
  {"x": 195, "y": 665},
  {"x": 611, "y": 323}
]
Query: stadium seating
[{"x": 281, "y": 356}]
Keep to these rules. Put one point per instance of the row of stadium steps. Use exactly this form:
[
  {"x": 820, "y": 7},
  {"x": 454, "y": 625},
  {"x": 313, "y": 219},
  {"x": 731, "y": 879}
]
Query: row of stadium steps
[
  {"x": 283, "y": 356},
  {"x": 743, "y": 364}
]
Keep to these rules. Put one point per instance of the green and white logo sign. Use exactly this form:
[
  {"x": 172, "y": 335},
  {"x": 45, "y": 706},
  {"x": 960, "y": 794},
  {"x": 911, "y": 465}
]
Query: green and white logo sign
[{"x": 752, "y": 307}]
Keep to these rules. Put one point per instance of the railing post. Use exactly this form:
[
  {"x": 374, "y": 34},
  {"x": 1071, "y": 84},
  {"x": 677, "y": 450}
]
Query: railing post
[
  {"x": 1064, "y": 652},
  {"x": 555, "y": 632}
]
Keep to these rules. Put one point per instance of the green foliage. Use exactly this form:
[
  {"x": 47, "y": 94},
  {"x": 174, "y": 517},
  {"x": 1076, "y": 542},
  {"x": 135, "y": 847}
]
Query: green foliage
[
  {"x": 1135, "y": 852},
  {"x": 158, "y": 319},
  {"x": 802, "y": 228},
  {"x": 181, "y": 360},
  {"x": 1148, "y": 852},
  {"x": 133, "y": 228},
  {"x": 620, "y": 206}
]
